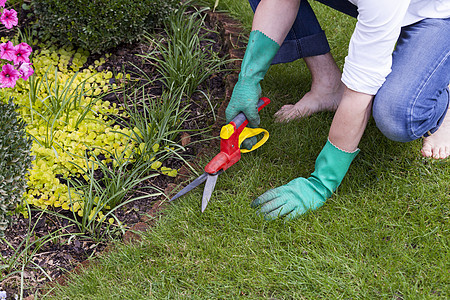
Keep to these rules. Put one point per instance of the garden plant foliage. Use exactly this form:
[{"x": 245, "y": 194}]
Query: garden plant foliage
[
  {"x": 14, "y": 145},
  {"x": 184, "y": 59},
  {"x": 71, "y": 128},
  {"x": 99, "y": 25},
  {"x": 15, "y": 160},
  {"x": 69, "y": 125},
  {"x": 89, "y": 154}
]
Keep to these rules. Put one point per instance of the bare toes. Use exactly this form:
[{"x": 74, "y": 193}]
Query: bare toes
[
  {"x": 282, "y": 110},
  {"x": 426, "y": 150},
  {"x": 283, "y": 117},
  {"x": 443, "y": 153},
  {"x": 285, "y": 108},
  {"x": 283, "y": 113},
  {"x": 279, "y": 116},
  {"x": 436, "y": 154}
]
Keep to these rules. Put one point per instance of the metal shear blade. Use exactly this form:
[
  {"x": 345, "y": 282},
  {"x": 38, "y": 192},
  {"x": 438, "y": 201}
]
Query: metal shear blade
[
  {"x": 199, "y": 180},
  {"x": 210, "y": 179},
  {"x": 209, "y": 188}
]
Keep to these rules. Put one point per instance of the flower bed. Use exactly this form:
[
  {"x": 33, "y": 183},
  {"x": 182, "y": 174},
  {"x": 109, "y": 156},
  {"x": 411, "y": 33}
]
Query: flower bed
[{"x": 69, "y": 136}]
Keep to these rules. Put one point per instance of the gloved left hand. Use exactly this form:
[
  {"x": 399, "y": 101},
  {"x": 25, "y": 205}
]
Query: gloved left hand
[{"x": 301, "y": 194}]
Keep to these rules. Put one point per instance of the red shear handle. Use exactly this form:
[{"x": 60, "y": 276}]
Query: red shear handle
[{"x": 229, "y": 143}]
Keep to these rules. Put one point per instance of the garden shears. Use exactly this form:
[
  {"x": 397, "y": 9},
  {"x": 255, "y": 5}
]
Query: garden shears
[{"x": 231, "y": 137}]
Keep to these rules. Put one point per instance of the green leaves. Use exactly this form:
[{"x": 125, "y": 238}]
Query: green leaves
[
  {"x": 22, "y": 256},
  {"x": 15, "y": 160},
  {"x": 185, "y": 59},
  {"x": 96, "y": 26},
  {"x": 97, "y": 197}
]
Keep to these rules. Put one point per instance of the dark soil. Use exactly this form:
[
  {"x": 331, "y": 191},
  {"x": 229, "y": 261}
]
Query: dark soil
[{"x": 63, "y": 254}]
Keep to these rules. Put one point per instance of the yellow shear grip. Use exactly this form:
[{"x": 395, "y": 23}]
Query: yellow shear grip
[{"x": 249, "y": 132}]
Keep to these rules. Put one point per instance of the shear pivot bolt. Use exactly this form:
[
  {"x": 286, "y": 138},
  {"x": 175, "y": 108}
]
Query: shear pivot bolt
[{"x": 227, "y": 131}]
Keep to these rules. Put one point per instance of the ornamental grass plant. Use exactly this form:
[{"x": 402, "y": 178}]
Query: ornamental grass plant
[
  {"x": 98, "y": 197},
  {"x": 63, "y": 102},
  {"x": 154, "y": 122},
  {"x": 22, "y": 258},
  {"x": 184, "y": 57}
]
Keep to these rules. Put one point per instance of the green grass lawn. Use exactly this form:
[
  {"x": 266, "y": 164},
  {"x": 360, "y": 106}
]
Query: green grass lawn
[{"x": 383, "y": 235}]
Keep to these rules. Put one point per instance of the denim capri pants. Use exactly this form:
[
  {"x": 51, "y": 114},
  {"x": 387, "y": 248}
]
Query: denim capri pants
[{"x": 414, "y": 99}]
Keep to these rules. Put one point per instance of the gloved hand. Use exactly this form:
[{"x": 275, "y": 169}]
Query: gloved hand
[
  {"x": 301, "y": 194},
  {"x": 247, "y": 91}
]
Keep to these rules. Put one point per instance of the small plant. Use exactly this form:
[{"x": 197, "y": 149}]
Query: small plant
[
  {"x": 66, "y": 97},
  {"x": 185, "y": 59},
  {"x": 154, "y": 121},
  {"x": 15, "y": 160},
  {"x": 103, "y": 188},
  {"x": 65, "y": 118},
  {"x": 99, "y": 25},
  {"x": 70, "y": 100}
]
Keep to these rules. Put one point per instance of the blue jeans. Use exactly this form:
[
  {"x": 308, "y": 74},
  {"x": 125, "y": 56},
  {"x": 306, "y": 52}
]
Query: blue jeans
[{"x": 415, "y": 97}]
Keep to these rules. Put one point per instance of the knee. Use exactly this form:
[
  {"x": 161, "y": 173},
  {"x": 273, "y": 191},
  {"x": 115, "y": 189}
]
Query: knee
[{"x": 391, "y": 117}]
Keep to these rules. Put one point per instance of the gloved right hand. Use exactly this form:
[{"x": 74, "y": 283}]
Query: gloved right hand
[
  {"x": 257, "y": 59},
  {"x": 302, "y": 195}
]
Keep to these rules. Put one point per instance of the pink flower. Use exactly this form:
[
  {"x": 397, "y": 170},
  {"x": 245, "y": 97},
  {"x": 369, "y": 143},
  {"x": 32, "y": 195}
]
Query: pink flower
[
  {"x": 2, "y": 3},
  {"x": 22, "y": 53},
  {"x": 9, "y": 18},
  {"x": 8, "y": 76},
  {"x": 25, "y": 70},
  {"x": 26, "y": 47},
  {"x": 7, "y": 51}
]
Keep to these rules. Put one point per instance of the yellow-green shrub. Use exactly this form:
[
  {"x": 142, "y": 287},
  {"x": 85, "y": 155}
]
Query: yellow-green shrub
[{"x": 61, "y": 141}]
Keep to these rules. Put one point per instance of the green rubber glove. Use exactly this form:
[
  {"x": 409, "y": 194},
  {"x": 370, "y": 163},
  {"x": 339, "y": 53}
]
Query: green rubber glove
[
  {"x": 257, "y": 59},
  {"x": 301, "y": 194}
]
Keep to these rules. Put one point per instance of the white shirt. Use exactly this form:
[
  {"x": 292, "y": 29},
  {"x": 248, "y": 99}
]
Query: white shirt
[{"x": 378, "y": 27}]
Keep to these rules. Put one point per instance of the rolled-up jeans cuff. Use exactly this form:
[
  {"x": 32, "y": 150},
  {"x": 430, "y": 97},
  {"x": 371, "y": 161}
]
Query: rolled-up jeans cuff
[
  {"x": 312, "y": 45},
  {"x": 439, "y": 123}
]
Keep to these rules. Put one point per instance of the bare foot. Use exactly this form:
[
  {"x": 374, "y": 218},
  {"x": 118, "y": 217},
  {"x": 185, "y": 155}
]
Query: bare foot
[
  {"x": 326, "y": 90},
  {"x": 437, "y": 145},
  {"x": 312, "y": 102}
]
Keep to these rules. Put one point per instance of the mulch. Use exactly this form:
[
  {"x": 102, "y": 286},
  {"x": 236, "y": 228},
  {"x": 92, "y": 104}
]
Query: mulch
[{"x": 72, "y": 253}]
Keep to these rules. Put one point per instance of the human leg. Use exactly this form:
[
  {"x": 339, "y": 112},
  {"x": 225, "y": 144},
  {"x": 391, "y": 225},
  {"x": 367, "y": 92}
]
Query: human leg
[
  {"x": 326, "y": 90},
  {"x": 271, "y": 23},
  {"x": 275, "y": 18},
  {"x": 304, "y": 38},
  {"x": 307, "y": 40},
  {"x": 414, "y": 100}
]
